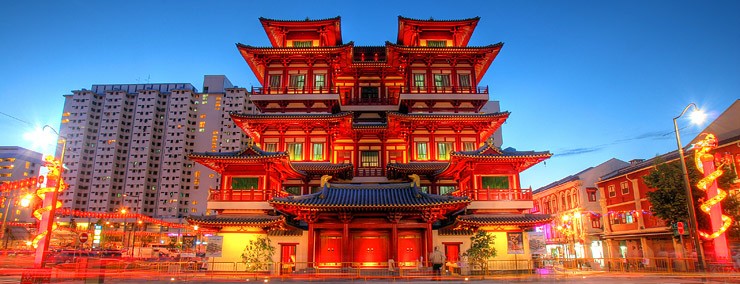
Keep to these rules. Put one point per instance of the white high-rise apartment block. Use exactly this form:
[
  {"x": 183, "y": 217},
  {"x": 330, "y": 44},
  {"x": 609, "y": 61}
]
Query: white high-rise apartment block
[
  {"x": 127, "y": 145},
  {"x": 17, "y": 163}
]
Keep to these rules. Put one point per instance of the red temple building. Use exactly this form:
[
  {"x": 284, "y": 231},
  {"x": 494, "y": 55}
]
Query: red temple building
[{"x": 361, "y": 154}]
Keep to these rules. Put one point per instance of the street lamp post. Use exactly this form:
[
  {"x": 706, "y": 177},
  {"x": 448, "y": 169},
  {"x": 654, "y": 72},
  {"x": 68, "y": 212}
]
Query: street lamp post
[{"x": 693, "y": 225}]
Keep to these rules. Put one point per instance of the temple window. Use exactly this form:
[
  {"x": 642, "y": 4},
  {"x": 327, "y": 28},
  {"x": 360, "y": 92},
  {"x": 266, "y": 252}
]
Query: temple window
[
  {"x": 446, "y": 189},
  {"x": 441, "y": 80},
  {"x": 464, "y": 80},
  {"x": 424, "y": 189},
  {"x": 369, "y": 159},
  {"x": 270, "y": 147},
  {"x": 421, "y": 151},
  {"x": 293, "y": 190},
  {"x": 495, "y": 182},
  {"x": 244, "y": 183},
  {"x": 315, "y": 189},
  {"x": 295, "y": 151},
  {"x": 319, "y": 81},
  {"x": 419, "y": 80},
  {"x": 612, "y": 191},
  {"x": 302, "y": 43},
  {"x": 468, "y": 146},
  {"x": 369, "y": 93},
  {"x": 625, "y": 187},
  {"x": 317, "y": 151},
  {"x": 443, "y": 150},
  {"x": 275, "y": 81},
  {"x": 436, "y": 43},
  {"x": 297, "y": 81}
]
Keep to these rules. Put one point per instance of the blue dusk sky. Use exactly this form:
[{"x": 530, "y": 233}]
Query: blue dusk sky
[{"x": 585, "y": 80}]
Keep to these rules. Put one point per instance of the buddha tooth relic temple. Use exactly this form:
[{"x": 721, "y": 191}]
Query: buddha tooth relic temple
[{"x": 362, "y": 154}]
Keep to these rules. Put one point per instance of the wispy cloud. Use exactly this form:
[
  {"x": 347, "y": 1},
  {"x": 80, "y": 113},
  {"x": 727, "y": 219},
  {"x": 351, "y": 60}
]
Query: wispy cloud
[{"x": 578, "y": 151}]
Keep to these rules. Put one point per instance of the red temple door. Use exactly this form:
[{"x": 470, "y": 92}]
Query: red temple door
[
  {"x": 452, "y": 252},
  {"x": 329, "y": 251},
  {"x": 287, "y": 258},
  {"x": 409, "y": 248},
  {"x": 370, "y": 249}
]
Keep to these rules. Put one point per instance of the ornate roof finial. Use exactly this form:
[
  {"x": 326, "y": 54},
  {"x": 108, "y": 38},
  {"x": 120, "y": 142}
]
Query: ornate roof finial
[
  {"x": 325, "y": 180},
  {"x": 489, "y": 141},
  {"x": 415, "y": 180}
]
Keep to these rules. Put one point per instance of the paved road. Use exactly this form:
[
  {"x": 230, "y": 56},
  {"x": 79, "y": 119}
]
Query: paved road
[{"x": 600, "y": 279}]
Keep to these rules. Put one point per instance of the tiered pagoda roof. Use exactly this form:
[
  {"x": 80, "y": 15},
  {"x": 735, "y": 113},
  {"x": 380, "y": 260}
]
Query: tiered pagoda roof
[
  {"x": 328, "y": 30},
  {"x": 482, "y": 220},
  {"x": 241, "y": 220},
  {"x": 369, "y": 197},
  {"x": 409, "y": 29}
]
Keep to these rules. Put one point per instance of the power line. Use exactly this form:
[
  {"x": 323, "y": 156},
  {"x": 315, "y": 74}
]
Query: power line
[{"x": 13, "y": 117}]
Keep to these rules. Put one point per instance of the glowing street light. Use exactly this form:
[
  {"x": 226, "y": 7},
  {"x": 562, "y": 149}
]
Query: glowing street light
[{"x": 697, "y": 117}]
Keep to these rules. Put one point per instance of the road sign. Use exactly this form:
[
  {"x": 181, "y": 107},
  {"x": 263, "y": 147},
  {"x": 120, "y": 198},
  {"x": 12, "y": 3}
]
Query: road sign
[
  {"x": 83, "y": 237},
  {"x": 680, "y": 228}
]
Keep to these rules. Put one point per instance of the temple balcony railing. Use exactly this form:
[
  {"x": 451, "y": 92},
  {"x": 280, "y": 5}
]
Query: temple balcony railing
[
  {"x": 369, "y": 172},
  {"x": 227, "y": 194},
  {"x": 293, "y": 90},
  {"x": 445, "y": 90},
  {"x": 482, "y": 194}
]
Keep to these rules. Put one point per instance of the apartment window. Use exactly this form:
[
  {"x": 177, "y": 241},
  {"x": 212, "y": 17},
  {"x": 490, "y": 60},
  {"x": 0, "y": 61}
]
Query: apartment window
[
  {"x": 468, "y": 146},
  {"x": 270, "y": 147},
  {"x": 495, "y": 182},
  {"x": 275, "y": 81},
  {"x": 591, "y": 194},
  {"x": 295, "y": 151},
  {"x": 297, "y": 81},
  {"x": 446, "y": 189},
  {"x": 595, "y": 222},
  {"x": 625, "y": 187},
  {"x": 370, "y": 159},
  {"x": 419, "y": 80},
  {"x": 421, "y": 151},
  {"x": 302, "y": 43},
  {"x": 436, "y": 43},
  {"x": 441, "y": 80},
  {"x": 443, "y": 150},
  {"x": 464, "y": 80},
  {"x": 318, "y": 151},
  {"x": 612, "y": 191}
]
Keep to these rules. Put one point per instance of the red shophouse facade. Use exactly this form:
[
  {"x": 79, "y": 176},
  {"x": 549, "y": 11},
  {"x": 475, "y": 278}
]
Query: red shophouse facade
[
  {"x": 630, "y": 230},
  {"x": 361, "y": 154}
]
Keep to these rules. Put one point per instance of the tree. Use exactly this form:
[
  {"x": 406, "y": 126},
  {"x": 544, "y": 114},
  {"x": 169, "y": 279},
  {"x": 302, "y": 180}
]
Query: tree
[
  {"x": 258, "y": 254},
  {"x": 481, "y": 249},
  {"x": 668, "y": 199}
]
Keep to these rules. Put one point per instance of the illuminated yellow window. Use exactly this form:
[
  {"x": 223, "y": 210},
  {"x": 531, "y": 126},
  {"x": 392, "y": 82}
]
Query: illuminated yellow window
[
  {"x": 202, "y": 124},
  {"x": 202, "y": 116}
]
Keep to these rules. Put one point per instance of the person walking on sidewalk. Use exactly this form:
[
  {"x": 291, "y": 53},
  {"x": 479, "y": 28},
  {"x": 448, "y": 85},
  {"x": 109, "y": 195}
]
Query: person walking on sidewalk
[{"x": 437, "y": 258}]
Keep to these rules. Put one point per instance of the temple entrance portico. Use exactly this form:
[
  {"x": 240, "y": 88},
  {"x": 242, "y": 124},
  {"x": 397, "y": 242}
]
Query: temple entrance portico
[{"x": 370, "y": 245}]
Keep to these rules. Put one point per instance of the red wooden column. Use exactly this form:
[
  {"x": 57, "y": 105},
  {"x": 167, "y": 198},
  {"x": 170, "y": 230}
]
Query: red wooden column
[
  {"x": 394, "y": 217},
  {"x": 356, "y": 153},
  {"x": 383, "y": 153},
  {"x": 345, "y": 218},
  {"x": 310, "y": 218}
]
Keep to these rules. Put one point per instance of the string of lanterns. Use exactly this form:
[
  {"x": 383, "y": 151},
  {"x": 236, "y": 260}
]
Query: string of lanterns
[{"x": 703, "y": 147}]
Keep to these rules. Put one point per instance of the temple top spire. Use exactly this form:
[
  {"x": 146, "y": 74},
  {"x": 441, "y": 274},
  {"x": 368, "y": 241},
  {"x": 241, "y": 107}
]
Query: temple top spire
[
  {"x": 435, "y": 33},
  {"x": 303, "y": 33}
]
